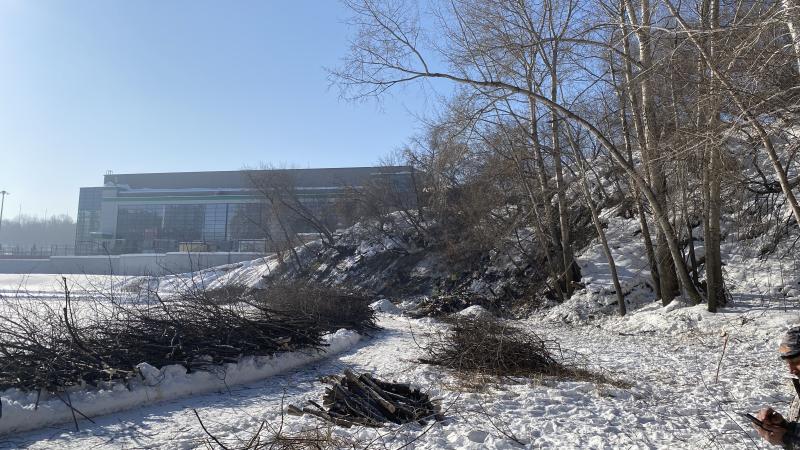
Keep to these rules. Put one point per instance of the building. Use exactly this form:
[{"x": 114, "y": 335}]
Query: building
[{"x": 211, "y": 211}]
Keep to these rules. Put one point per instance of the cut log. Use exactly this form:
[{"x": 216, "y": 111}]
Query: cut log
[
  {"x": 391, "y": 409},
  {"x": 355, "y": 399}
]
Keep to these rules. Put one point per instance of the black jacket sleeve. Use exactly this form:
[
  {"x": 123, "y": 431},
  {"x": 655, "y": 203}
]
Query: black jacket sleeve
[{"x": 791, "y": 439}]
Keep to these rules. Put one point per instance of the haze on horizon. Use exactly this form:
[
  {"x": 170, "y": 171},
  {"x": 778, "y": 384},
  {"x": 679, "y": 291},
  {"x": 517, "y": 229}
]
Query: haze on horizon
[{"x": 90, "y": 86}]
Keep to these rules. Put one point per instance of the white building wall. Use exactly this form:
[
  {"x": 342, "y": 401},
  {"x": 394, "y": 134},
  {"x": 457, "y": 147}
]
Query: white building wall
[{"x": 129, "y": 264}]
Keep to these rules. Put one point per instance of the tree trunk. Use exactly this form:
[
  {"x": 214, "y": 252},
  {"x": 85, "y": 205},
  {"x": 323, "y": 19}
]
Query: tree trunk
[
  {"x": 666, "y": 266},
  {"x": 791, "y": 10},
  {"x": 638, "y": 127},
  {"x": 689, "y": 233},
  {"x": 598, "y": 226},
  {"x": 683, "y": 181},
  {"x": 668, "y": 281},
  {"x": 563, "y": 212},
  {"x": 544, "y": 187},
  {"x": 541, "y": 235},
  {"x": 715, "y": 292}
]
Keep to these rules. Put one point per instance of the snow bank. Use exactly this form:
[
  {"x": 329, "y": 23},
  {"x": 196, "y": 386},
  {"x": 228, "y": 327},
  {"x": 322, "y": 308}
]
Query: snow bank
[
  {"x": 385, "y": 306},
  {"x": 475, "y": 312},
  {"x": 19, "y": 412},
  {"x": 247, "y": 274},
  {"x": 743, "y": 318}
]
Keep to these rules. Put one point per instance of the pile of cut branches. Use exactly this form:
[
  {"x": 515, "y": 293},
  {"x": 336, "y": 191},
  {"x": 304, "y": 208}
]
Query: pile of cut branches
[
  {"x": 493, "y": 347},
  {"x": 362, "y": 400},
  {"x": 442, "y": 305},
  {"x": 50, "y": 346},
  {"x": 329, "y": 306}
]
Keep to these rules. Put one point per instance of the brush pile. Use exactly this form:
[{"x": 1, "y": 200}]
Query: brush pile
[
  {"x": 330, "y": 307},
  {"x": 493, "y": 347},
  {"x": 443, "y": 305},
  {"x": 362, "y": 400},
  {"x": 51, "y": 346}
]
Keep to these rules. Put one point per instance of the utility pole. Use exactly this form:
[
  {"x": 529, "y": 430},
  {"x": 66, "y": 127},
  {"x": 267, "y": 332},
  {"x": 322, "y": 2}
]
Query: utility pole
[{"x": 2, "y": 205}]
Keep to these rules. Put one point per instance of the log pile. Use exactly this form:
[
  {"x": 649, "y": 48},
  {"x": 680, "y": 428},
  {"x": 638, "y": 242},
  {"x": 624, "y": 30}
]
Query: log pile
[{"x": 363, "y": 400}]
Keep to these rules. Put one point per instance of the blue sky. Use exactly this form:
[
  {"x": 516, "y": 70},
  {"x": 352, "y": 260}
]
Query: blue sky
[{"x": 88, "y": 86}]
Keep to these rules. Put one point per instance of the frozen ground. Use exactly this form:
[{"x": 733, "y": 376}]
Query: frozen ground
[
  {"x": 50, "y": 285},
  {"x": 248, "y": 273},
  {"x": 674, "y": 401},
  {"x": 670, "y": 357}
]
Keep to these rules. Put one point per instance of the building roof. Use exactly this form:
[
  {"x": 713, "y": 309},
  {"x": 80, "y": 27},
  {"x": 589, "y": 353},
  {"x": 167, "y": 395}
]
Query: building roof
[{"x": 240, "y": 179}]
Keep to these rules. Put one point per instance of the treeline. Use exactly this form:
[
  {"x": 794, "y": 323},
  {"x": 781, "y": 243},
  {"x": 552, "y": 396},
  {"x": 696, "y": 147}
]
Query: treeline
[
  {"x": 683, "y": 115},
  {"x": 28, "y": 231}
]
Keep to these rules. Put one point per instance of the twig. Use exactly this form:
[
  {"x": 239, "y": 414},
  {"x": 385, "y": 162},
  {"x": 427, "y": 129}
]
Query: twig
[
  {"x": 724, "y": 346},
  {"x": 214, "y": 438}
]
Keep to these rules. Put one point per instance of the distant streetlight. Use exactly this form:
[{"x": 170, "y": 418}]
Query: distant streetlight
[{"x": 2, "y": 205}]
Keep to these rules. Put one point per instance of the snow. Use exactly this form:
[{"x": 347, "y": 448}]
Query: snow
[
  {"x": 673, "y": 401},
  {"x": 247, "y": 274},
  {"x": 385, "y": 306},
  {"x": 20, "y": 412},
  {"x": 598, "y": 297},
  {"x": 475, "y": 312},
  {"x": 686, "y": 373},
  {"x": 50, "y": 285}
]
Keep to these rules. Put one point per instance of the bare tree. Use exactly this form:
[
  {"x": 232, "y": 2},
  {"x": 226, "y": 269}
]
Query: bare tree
[
  {"x": 791, "y": 11},
  {"x": 291, "y": 209},
  {"x": 601, "y": 234},
  {"x": 388, "y": 52}
]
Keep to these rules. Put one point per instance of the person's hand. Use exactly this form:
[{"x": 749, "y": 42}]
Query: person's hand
[
  {"x": 774, "y": 426},
  {"x": 771, "y": 417}
]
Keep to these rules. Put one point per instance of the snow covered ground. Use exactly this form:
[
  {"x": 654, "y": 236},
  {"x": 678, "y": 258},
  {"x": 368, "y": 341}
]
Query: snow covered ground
[
  {"x": 51, "y": 285},
  {"x": 674, "y": 401},
  {"x": 670, "y": 356},
  {"x": 248, "y": 273}
]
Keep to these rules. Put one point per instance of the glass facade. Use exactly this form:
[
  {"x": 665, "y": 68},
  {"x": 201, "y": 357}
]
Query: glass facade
[
  {"x": 215, "y": 222},
  {"x": 218, "y": 210},
  {"x": 323, "y": 208},
  {"x": 163, "y": 228},
  {"x": 90, "y": 204}
]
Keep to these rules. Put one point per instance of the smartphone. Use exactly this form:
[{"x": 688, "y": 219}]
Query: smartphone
[{"x": 753, "y": 419}]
